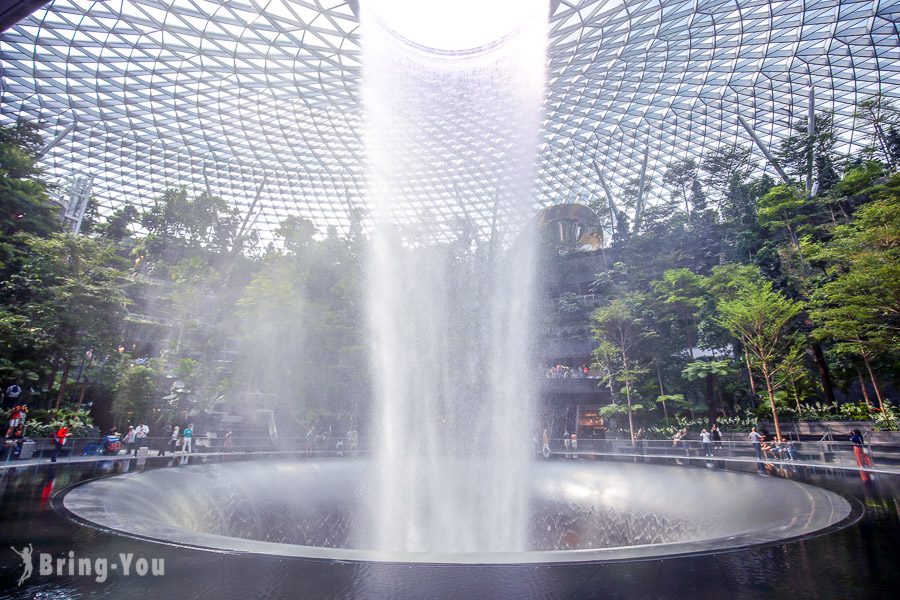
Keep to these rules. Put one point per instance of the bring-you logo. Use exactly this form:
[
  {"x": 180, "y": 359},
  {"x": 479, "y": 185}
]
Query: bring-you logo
[{"x": 125, "y": 564}]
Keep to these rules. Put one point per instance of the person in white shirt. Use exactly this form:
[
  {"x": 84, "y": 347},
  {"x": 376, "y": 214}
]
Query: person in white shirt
[
  {"x": 129, "y": 439},
  {"x": 140, "y": 434},
  {"x": 707, "y": 442},
  {"x": 756, "y": 440}
]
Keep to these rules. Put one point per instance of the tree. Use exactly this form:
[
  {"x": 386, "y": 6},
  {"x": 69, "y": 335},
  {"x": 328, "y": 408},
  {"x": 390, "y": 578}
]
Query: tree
[
  {"x": 759, "y": 317},
  {"x": 25, "y": 206},
  {"x": 178, "y": 226},
  {"x": 808, "y": 156},
  {"x": 782, "y": 208},
  {"x": 859, "y": 306},
  {"x": 118, "y": 224},
  {"x": 683, "y": 178},
  {"x": 620, "y": 329},
  {"x": 707, "y": 370},
  {"x": 883, "y": 117},
  {"x": 681, "y": 291},
  {"x": 69, "y": 290},
  {"x": 136, "y": 391}
]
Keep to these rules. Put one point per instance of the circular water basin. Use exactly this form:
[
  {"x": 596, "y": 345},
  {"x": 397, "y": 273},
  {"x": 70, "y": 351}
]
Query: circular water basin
[{"x": 580, "y": 511}]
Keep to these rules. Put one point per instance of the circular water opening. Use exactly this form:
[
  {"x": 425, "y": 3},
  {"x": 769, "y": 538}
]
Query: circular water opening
[
  {"x": 581, "y": 511},
  {"x": 452, "y": 27}
]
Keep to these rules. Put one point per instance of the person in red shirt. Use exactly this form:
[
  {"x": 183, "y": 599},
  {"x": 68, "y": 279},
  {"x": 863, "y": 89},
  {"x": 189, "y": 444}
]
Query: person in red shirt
[{"x": 59, "y": 440}]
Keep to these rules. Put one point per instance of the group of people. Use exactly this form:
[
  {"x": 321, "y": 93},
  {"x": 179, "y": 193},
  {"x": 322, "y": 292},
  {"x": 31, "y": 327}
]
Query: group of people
[
  {"x": 134, "y": 438},
  {"x": 769, "y": 447},
  {"x": 710, "y": 439},
  {"x": 187, "y": 440},
  {"x": 561, "y": 371}
]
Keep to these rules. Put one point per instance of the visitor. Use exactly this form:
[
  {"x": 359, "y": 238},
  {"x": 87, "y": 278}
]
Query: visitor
[
  {"x": 767, "y": 447},
  {"x": 140, "y": 435},
  {"x": 716, "y": 436},
  {"x": 788, "y": 449},
  {"x": 680, "y": 438},
  {"x": 187, "y": 439},
  {"x": 229, "y": 443},
  {"x": 15, "y": 419},
  {"x": 574, "y": 444},
  {"x": 14, "y": 444},
  {"x": 676, "y": 438},
  {"x": 567, "y": 443},
  {"x": 778, "y": 448},
  {"x": 170, "y": 444},
  {"x": 59, "y": 440},
  {"x": 756, "y": 440},
  {"x": 639, "y": 440},
  {"x": 545, "y": 444},
  {"x": 859, "y": 450},
  {"x": 706, "y": 440},
  {"x": 129, "y": 438},
  {"x": 600, "y": 431}
]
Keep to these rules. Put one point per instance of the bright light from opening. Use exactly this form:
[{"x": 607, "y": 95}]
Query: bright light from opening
[{"x": 452, "y": 25}]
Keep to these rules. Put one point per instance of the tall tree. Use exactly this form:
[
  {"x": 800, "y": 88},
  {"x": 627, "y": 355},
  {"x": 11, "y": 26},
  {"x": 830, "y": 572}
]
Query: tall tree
[
  {"x": 859, "y": 307},
  {"x": 620, "y": 329},
  {"x": 682, "y": 177},
  {"x": 760, "y": 318},
  {"x": 811, "y": 155},
  {"x": 883, "y": 118}
]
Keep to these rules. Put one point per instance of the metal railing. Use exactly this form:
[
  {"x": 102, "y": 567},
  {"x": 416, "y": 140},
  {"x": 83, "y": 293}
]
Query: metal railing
[
  {"x": 839, "y": 453},
  {"x": 830, "y": 452},
  {"x": 33, "y": 447}
]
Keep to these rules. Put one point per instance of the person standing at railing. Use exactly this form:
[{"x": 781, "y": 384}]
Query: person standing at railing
[
  {"x": 59, "y": 440},
  {"x": 545, "y": 444},
  {"x": 788, "y": 448},
  {"x": 756, "y": 440},
  {"x": 187, "y": 439},
  {"x": 16, "y": 418},
  {"x": 140, "y": 436},
  {"x": 171, "y": 444},
  {"x": 129, "y": 438},
  {"x": 575, "y": 444},
  {"x": 706, "y": 440},
  {"x": 716, "y": 436},
  {"x": 862, "y": 459}
]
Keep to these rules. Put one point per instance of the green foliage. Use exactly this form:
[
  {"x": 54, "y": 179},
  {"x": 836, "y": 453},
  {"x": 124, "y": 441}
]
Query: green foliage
[
  {"x": 758, "y": 317},
  {"x": 728, "y": 261},
  {"x": 803, "y": 155},
  {"x": 883, "y": 119},
  {"x": 43, "y": 423},
  {"x": 782, "y": 208},
  {"x": 136, "y": 392},
  {"x": 702, "y": 369},
  {"x": 857, "y": 179},
  {"x": 859, "y": 306}
]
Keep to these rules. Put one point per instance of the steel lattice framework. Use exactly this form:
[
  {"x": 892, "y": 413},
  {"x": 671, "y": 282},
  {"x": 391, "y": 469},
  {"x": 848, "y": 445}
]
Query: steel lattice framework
[{"x": 258, "y": 100}]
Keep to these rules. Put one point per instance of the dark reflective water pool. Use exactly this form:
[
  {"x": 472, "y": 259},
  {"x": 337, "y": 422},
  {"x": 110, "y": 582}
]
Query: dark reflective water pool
[{"x": 856, "y": 561}]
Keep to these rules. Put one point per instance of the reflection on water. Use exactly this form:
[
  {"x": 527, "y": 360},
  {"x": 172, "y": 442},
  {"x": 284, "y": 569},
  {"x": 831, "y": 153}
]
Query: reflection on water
[{"x": 858, "y": 561}]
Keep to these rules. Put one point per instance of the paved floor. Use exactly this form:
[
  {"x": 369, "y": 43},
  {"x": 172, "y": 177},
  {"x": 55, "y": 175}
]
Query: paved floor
[{"x": 846, "y": 463}]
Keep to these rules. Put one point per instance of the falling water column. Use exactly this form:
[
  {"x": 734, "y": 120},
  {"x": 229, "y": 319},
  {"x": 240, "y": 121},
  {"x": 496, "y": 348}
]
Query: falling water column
[{"x": 451, "y": 134}]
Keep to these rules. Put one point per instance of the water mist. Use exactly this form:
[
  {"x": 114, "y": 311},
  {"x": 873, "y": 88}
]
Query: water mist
[{"x": 450, "y": 282}]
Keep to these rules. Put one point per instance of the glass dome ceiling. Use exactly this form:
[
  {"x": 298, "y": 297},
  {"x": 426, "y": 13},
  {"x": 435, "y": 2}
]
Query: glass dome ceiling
[{"x": 258, "y": 101}]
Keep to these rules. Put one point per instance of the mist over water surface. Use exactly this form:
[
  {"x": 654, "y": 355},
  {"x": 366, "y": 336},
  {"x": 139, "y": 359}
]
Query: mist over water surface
[{"x": 450, "y": 285}]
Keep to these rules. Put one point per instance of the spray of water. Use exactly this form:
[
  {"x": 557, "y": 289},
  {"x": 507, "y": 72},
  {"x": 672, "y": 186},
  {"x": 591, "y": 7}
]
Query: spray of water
[{"x": 450, "y": 284}]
